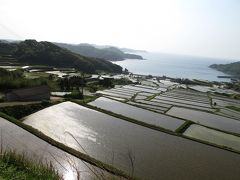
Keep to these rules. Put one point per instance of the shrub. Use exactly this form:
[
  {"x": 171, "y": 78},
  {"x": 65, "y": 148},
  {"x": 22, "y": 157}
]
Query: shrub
[
  {"x": 74, "y": 95},
  {"x": 14, "y": 166}
]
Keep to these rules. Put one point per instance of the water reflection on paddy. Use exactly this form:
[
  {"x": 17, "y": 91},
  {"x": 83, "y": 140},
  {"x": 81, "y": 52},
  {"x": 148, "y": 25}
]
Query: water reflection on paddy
[
  {"x": 19, "y": 140},
  {"x": 140, "y": 114},
  {"x": 213, "y": 136},
  {"x": 156, "y": 155},
  {"x": 207, "y": 119}
]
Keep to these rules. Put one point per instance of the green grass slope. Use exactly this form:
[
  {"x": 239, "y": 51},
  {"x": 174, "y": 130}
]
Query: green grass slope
[{"x": 14, "y": 166}]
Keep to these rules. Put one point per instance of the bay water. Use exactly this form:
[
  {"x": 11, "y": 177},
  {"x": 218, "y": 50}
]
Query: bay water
[{"x": 175, "y": 66}]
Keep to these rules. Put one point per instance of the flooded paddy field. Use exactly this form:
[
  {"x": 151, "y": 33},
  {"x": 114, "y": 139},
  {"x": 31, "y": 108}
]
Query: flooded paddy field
[
  {"x": 145, "y": 94},
  {"x": 115, "y": 98},
  {"x": 148, "y": 83},
  {"x": 207, "y": 119},
  {"x": 139, "y": 114},
  {"x": 125, "y": 89},
  {"x": 162, "y": 89},
  {"x": 145, "y": 106},
  {"x": 141, "y": 89},
  {"x": 60, "y": 74},
  {"x": 21, "y": 141},
  {"x": 119, "y": 92},
  {"x": 189, "y": 92},
  {"x": 1, "y": 95},
  {"x": 114, "y": 95},
  {"x": 112, "y": 140},
  {"x": 60, "y": 93},
  {"x": 200, "y": 88},
  {"x": 169, "y": 99},
  {"x": 140, "y": 97},
  {"x": 188, "y": 98},
  {"x": 172, "y": 103},
  {"x": 230, "y": 100},
  {"x": 148, "y": 106},
  {"x": 147, "y": 87},
  {"x": 229, "y": 113},
  {"x": 122, "y": 90},
  {"x": 10, "y": 68},
  {"x": 155, "y": 103},
  {"x": 213, "y": 136},
  {"x": 223, "y": 103},
  {"x": 35, "y": 75}
]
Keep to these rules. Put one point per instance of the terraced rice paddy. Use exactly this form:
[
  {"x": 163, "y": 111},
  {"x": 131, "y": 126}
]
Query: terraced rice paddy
[
  {"x": 35, "y": 75},
  {"x": 148, "y": 83},
  {"x": 223, "y": 103},
  {"x": 162, "y": 89},
  {"x": 115, "y": 98},
  {"x": 229, "y": 113},
  {"x": 162, "y": 105},
  {"x": 207, "y": 119},
  {"x": 138, "y": 113},
  {"x": 21, "y": 141},
  {"x": 141, "y": 89},
  {"x": 140, "y": 97},
  {"x": 58, "y": 73},
  {"x": 147, "y": 87},
  {"x": 150, "y": 107},
  {"x": 143, "y": 95},
  {"x": 186, "y": 93},
  {"x": 189, "y": 93},
  {"x": 213, "y": 136},
  {"x": 234, "y": 101},
  {"x": 172, "y": 103},
  {"x": 184, "y": 97},
  {"x": 174, "y": 100},
  {"x": 128, "y": 92},
  {"x": 201, "y": 88},
  {"x": 121, "y": 93},
  {"x": 59, "y": 93},
  {"x": 114, "y": 94},
  {"x": 113, "y": 140},
  {"x": 124, "y": 89}
]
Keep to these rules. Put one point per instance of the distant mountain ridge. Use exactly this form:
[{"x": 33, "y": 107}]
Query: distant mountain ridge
[
  {"x": 105, "y": 52},
  {"x": 231, "y": 68},
  {"x": 46, "y": 53}
]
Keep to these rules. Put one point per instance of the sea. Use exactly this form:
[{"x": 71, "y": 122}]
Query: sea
[{"x": 175, "y": 66}]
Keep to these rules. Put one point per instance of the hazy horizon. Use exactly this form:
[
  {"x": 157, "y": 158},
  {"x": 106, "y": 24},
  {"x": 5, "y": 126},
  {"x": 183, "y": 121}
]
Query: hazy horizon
[{"x": 186, "y": 27}]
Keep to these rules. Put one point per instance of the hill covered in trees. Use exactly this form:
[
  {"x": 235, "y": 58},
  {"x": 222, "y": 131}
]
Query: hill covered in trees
[
  {"x": 31, "y": 52},
  {"x": 231, "y": 68},
  {"x": 107, "y": 53}
]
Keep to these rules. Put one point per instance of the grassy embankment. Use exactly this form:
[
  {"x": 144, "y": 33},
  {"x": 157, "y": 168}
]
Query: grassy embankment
[
  {"x": 14, "y": 166},
  {"x": 234, "y": 108},
  {"x": 20, "y": 111}
]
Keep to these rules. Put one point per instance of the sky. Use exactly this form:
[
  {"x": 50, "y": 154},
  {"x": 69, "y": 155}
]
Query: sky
[{"x": 208, "y": 28}]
